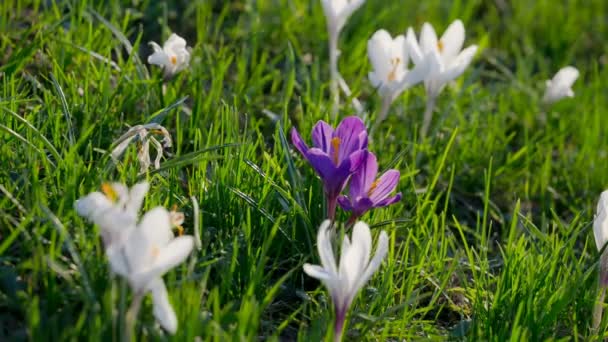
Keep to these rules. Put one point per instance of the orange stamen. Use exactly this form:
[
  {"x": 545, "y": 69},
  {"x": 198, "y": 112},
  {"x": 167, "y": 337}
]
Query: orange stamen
[
  {"x": 173, "y": 60},
  {"x": 440, "y": 45},
  {"x": 109, "y": 191},
  {"x": 335, "y": 143},
  {"x": 392, "y": 75},
  {"x": 373, "y": 187}
]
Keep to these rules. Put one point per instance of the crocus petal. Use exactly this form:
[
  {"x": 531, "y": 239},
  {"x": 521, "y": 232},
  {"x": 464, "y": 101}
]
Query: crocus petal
[
  {"x": 344, "y": 202},
  {"x": 167, "y": 258},
  {"x": 413, "y": 47},
  {"x": 155, "y": 47},
  {"x": 163, "y": 311},
  {"x": 159, "y": 58},
  {"x": 362, "y": 179},
  {"x": 566, "y": 76},
  {"x": 322, "y": 163},
  {"x": 117, "y": 259},
  {"x": 385, "y": 185},
  {"x": 326, "y": 252},
  {"x": 452, "y": 40},
  {"x": 355, "y": 259},
  {"x": 349, "y": 132},
  {"x": 321, "y": 136},
  {"x": 356, "y": 159},
  {"x": 298, "y": 142},
  {"x": 174, "y": 42},
  {"x": 362, "y": 205},
  {"x": 600, "y": 222},
  {"x": 156, "y": 226},
  {"x": 91, "y": 204},
  {"x": 379, "y": 49},
  {"x": 374, "y": 264},
  {"x": 428, "y": 39},
  {"x": 388, "y": 201},
  {"x": 317, "y": 272},
  {"x": 459, "y": 66}
]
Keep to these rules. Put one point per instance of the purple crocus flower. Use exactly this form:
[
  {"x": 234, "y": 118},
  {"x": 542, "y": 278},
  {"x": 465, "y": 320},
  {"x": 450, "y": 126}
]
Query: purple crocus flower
[
  {"x": 335, "y": 154},
  {"x": 367, "y": 192}
]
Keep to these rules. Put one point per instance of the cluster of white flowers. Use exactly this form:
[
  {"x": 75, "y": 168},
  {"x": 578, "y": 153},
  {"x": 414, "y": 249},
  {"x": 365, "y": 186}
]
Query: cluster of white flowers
[
  {"x": 437, "y": 61},
  {"x": 143, "y": 250}
]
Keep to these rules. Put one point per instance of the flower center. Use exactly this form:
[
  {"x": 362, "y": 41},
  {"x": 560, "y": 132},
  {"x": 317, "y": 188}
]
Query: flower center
[
  {"x": 393, "y": 74},
  {"x": 440, "y": 46},
  {"x": 173, "y": 59},
  {"x": 335, "y": 143},
  {"x": 109, "y": 191},
  {"x": 372, "y": 188}
]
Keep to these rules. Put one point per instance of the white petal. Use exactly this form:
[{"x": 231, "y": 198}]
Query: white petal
[
  {"x": 379, "y": 52},
  {"x": 173, "y": 43},
  {"x": 92, "y": 204},
  {"x": 600, "y": 222},
  {"x": 459, "y": 65},
  {"x": 155, "y": 47},
  {"x": 167, "y": 258},
  {"x": 156, "y": 226},
  {"x": 428, "y": 39},
  {"x": 452, "y": 40},
  {"x": 163, "y": 311},
  {"x": 354, "y": 260},
  {"x": 566, "y": 76},
  {"x": 317, "y": 272},
  {"x": 374, "y": 264},
  {"x": 159, "y": 58},
  {"x": 326, "y": 252},
  {"x": 117, "y": 260},
  {"x": 136, "y": 197},
  {"x": 412, "y": 46}
]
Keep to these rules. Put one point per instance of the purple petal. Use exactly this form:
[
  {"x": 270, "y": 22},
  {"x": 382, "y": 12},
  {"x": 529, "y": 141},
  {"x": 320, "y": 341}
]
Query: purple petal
[
  {"x": 365, "y": 175},
  {"x": 321, "y": 136},
  {"x": 349, "y": 131},
  {"x": 297, "y": 141},
  {"x": 388, "y": 201},
  {"x": 355, "y": 160},
  {"x": 336, "y": 183},
  {"x": 384, "y": 185},
  {"x": 321, "y": 162},
  {"x": 344, "y": 202},
  {"x": 362, "y": 205}
]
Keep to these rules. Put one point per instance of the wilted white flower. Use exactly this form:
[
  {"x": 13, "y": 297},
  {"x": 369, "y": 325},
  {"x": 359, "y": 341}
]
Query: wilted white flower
[
  {"x": 561, "y": 85},
  {"x": 344, "y": 280},
  {"x": 139, "y": 251},
  {"x": 172, "y": 57},
  {"x": 143, "y": 134},
  {"x": 447, "y": 60}
]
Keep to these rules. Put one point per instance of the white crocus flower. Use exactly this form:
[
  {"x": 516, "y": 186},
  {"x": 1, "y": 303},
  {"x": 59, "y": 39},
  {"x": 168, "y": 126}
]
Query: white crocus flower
[
  {"x": 148, "y": 252},
  {"x": 141, "y": 252},
  {"x": 344, "y": 280},
  {"x": 600, "y": 232},
  {"x": 336, "y": 14},
  {"x": 450, "y": 61},
  {"x": 172, "y": 57},
  {"x": 390, "y": 58},
  {"x": 561, "y": 85},
  {"x": 114, "y": 209},
  {"x": 143, "y": 134}
]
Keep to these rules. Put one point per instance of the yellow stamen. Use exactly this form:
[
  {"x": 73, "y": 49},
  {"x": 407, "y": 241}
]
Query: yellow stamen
[
  {"x": 109, "y": 191},
  {"x": 440, "y": 45},
  {"x": 173, "y": 60},
  {"x": 155, "y": 251},
  {"x": 372, "y": 187},
  {"x": 180, "y": 230},
  {"x": 335, "y": 143},
  {"x": 392, "y": 75}
]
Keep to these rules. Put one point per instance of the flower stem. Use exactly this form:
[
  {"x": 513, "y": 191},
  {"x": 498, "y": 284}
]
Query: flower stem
[
  {"x": 598, "y": 309},
  {"x": 333, "y": 72},
  {"x": 332, "y": 202},
  {"x": 131, "y": 316},
  {"x": 387, "y": 100},
  {"x": 351, "y": 221},
  {"x": 339, "y": 326},
  {"x": 428, "y": 116}
]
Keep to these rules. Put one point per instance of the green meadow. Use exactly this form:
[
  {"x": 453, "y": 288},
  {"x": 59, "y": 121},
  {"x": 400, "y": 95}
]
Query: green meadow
[{"x": 492, "y": 240}]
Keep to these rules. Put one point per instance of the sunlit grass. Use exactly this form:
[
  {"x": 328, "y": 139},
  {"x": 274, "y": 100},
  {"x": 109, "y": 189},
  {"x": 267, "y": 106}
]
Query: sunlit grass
[{"x": 492, "y": 240}]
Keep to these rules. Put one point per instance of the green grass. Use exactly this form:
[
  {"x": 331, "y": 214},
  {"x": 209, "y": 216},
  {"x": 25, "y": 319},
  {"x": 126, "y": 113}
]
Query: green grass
[{"x": 492, "y": 241}]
